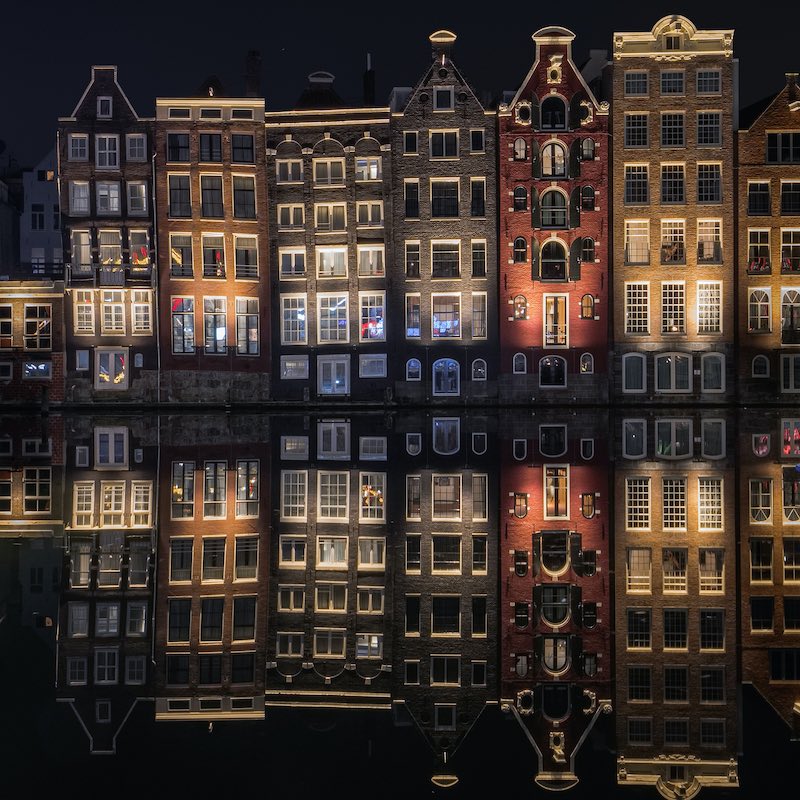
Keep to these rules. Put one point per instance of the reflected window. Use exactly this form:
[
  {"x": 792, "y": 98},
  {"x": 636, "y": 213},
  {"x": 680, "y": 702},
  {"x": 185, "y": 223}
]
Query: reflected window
[
  {"x": 555, "y": 603},
  {"x": 520, "y": 505},
  {"x": 553, "y": 371},
  {"x": 520, "y": 449},
  {"x": 446, "y": 435},
  {"x": 553, "y": 114},
  {"x": 520, "y": 364},
  {"x": 555, "y": 552},
  {"x": 413, "y": 370},
  {"x": 479, "y": 370},
  {"x": 521, "y": 563},
  {"x": 445, "y": 376},
  {"x": 555, "y": 653},
  {"x": 587, "y": 364},
  {"x": 553, "y": 440}
]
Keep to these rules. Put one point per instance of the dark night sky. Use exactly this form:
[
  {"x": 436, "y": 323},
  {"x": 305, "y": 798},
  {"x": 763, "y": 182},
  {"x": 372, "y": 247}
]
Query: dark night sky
[{"x": 167, "y": 49}]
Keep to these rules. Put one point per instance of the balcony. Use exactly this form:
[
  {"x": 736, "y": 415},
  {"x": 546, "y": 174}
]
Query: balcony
[
  {"x": 37, "y": 271},
  {"x": 709, "y": 252},
  {"x": 111, "y": 274},
  {"x": 790, "y": 335},
  {"x": 555, "y": 335},
  {"x": 637, "y": 255},
  {"x": 673, "y": 253},
  {"x": 790, "y": 266},
  {"x": 759, "y": 266},
  {"x": 246, "y": 271}
]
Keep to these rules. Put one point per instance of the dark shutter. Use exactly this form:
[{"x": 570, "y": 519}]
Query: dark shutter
[
  {"x": 589, "y": 614},
  {"x": 575, "y": 601},
  {"x": 575, "y": 553},
  {"x": 589, "y": 558},
  {"x": 538, "y": 647},
  {"x": 536, "y": 117},
  {"x": 537, "y": 553},
  {"x": 575, "y": 260},
  {"x": 575, "y": 160},
  {"x": 536, "y": 161},
  {"x": 575, "y": 111},
  {"x": 575, "y": 209},
  {"x": 535, "y": 266},
  {"x": 576, "y": 650},
  {"x": 537, "y": 605},
  {"x": 536, "y": 209}
]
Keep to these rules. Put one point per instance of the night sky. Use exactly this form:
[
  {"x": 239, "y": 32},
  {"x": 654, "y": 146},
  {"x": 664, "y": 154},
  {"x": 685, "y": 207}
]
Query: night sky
[{"x": 167, "y": 49}]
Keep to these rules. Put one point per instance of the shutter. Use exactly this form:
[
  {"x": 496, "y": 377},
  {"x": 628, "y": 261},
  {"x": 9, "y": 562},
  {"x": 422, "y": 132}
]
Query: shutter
[
  {"x": 575, "y": 553},
  {"x": 537, "y": 553},
  {"x": 521, "y": 562},
  {"x": 589, "y": 558},
  {"x": 535, "y": 266},
  {"x": 537, "y": 697},
  {"x": 536, "y": 209},
  {"x": 575, "y": 160},
  {"x": 575, "y": 260},
  {"x": 589, "y": 614},
  {"x": 536, "y": 117},
  {"x": 575, "y": 601},
  {"x": 538, "y": 648},
  {"x": 575, "y": 209},
  {"x": 576, "y": 650},
  {"x": 575, "y": 111},
  {"x": 536, "y": 161},
  {"x": 537, "y": 605}
]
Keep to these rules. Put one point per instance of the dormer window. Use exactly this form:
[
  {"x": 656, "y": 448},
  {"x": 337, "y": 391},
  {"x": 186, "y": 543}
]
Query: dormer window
[
  {"x": 672, "y": 41},
  {"x": 443, "y": 98},
  {"x": 554, "y": 114},
  {"x": 105, "y": 107}
]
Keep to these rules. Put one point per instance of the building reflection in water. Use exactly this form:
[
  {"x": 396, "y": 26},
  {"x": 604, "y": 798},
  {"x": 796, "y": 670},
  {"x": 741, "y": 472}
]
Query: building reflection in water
[{"x": 555, "y": 585}]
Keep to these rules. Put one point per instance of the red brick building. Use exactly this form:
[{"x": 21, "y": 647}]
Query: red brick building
[
  {"x": 553, "y": 215},
  {"x": 555, "y": 616}
]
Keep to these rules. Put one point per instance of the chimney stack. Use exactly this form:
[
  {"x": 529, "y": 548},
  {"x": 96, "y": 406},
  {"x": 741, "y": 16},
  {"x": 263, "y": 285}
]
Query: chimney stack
[
  {"x": 369, "y": 83},
  {"x": 252, "y": 74},
  {"x": 442, "y": 44}
]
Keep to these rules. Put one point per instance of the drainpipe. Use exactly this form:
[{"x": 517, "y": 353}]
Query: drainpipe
[{"x": 154, "y": 279}]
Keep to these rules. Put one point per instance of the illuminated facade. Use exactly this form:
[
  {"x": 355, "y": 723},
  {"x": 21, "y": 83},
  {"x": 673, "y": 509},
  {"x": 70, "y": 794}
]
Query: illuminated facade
[
  {"x": 329, "y": 179},
  {"x": 674, "y": 95},
  {"x": 444, "y": 254},
  {"x": 554, "y": 238},
  {"x": 211, "y": 201},
  {"x": 106, "y": 181},
  {"x": 769, "y": 250}
]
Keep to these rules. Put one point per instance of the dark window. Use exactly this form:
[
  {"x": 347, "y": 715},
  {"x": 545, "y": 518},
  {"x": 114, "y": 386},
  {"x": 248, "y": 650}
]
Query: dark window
[
  {"x": 412, "y": 613},
  {"x": 446, "y": 615},
  {"x": 554, "y": 551},
  {"x": 177, "y": 147},
  {"x": 587, "y": 198},
  {"x": 210, "y": 147},
  {"x": 479, "y": 259},
  {"x": 476, "y": 141},
  {"x": 521, "y": 611},
  {"x": 520, "y": 198},
  {"x": 243, "y": 667},
  {"x": 587, "y": 250},
  {"x": 791, "y": 613},
  {"x": 762, "y": 612},
  {"x": 180, "y": 202},
  {"x": 178, "y": 670},
  {"x": 554, "y": 210},
  {"x": 242, "y": 149},
  {"x": 554, "y": 262},
  {"x": 478, "y": 198},
  {"x": 784, "y": 663},
  {"x": 244, "y": 617},
  {"x": 244, "y": 197},
  {"x": 552, "y": 371},
  {"x": 412, "y": 199},
  {"x": 520, "y": 251},
  {"x": 211, "y": 196},
  {"x": 479, "y": 618},
  {"x": 210, "y": 669},
  {"x": 211, "y": 619},
  {"x": 444, "y": 198},
  {"x": 179, "y": 615},
  {"x": 553, "y": 114},
  {"x": 790, "y": 197},
  {"x": 181, "y": 560},
  {"x": 783, "y": 148},
  {"x": 555, "y": 603},
  {"x": 758, "y": 200},
  {"x": 675, "y": 628}
]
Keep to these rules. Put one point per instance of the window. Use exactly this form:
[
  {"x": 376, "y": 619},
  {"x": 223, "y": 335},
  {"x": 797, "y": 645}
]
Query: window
[
  {"x": 78, "y": 619},
  {"x": 247, "y": 341},
  {"x": 637, "y": 242},
  {"x": 673, "y": 372},
  {"x": 292, "y": 551},
  {"x": 521, "y": 507},
  {"x": 289, "y": 170},
  {"x": 556, "y": 492},
  {"x": 373, "y": 495},
  {"x": 211, "y": 196},
  {"x": 758, "y": 198},
  {"x": 446, "y": 615},
  {"x": 372, "y": 317},
  {"x": 783, "y": 148},
  {"x": 245, "y": 256},
  {"x": 676, "y": 684},
  {"x": 479, "y": 316},
  {"x": 180, "y": 560},
  {"x": 411, "y": 195},
  {"x": 211, "y": 609},
  {"x": 554, "y": 161},
  {"x": 368, "y": 168},
  {"x": 479, "y": 369},
  {"x": 446, "y": 554},
  {"x": 554, "y": 261},
  {"x": 289, "y": 645},
  {"x": 587, "y": 199},
  {"x": 480, "y": 497},
  {"x": 246, "y": 488},
  {"x": 639, "y": 684},
  {"x": 477, "y": 197},
  {"x": 413, "y": 497},
  {"x": 638, "y": 569},
  {"x": 210, "y": 147},
  {"x": 332, "y": 318},
  {"x": 333, "y": 440},
  {"x": 709, "y": 183},
  {"x": 177, "y": 147},
  {"x": 107, "y": 151},
  {"x": 446, "y": 497},
  {"x": 709, "y": 129},
  {"x": 712, "y": 684},
  {"x": 78, "y": 146},
  {"x": 784, "y": 664},
  {"x": 333, "y": 375},
  {"x": 635, "y": 83},
  {"x": 712, "y": 629},
  {"x": 478, "y": 258},
  {"x": 332, "y": 262},
  {"x": 244, "y": 197},
  {"x": 293, "y": 316},
  {"x": 108, "y": 201},
  {"x": 78, "y": 197},
  {"x": 446, "y": 259},
  {"x": 329, "y": 171},
  {"x": 443, "y": 144},
  {"x": 368, "y": 214},
  {"x": 639, "y": 628},
  {"x": 180, "y": 200},
  {"x": 479, "y": 554},
  {"x": 640, "y": 731},
  {"x": 675, "y": 629},
  {"x": 553, "y": 114},
  {"x": 552, "y": 372},
  {"x": 76, "y": 671},
  {"x": 637, "y": 503},
  {"x": 333, "y": 495},
  {"x": 242, "y": 148},
  {"x": 106, "y": 665},
  {"x": 410, "y": 142},
  {"x": 760, "y": 560},
  {"x": 329, "y": 217},
  {"x": 292, "y": 262},
  {"x": 673, "y": 184},
  {"x": 637, "y": 314},
  {"x": 709, "y": 492},
  {"x": 672, "y": 82},
  {"x": 214, "y": 500},
  {"x": 290, "y": 217},
  {"x": 246, "y": 558},
  {"x": 673, "y": 241},
  {"x": 215, "y": 324},
  {"x": 182, "y": 506},
  {"x": 636, "y": 184},
  {"x": 213, "y": 256},
  {"x": 213, "y": 559},
  {"x": 291, "y": 598},
  {"x": 554, "y": 210},
  {"x": 636, "y": 130}
]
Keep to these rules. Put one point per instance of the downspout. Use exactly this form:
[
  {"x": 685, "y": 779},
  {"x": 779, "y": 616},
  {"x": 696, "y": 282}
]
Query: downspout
[{"x": 154, "y": 279}]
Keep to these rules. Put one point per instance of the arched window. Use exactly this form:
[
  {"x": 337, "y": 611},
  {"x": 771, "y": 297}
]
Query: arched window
[
  {"x": 520, "y": 198},
  {"x": 554, "y": 161},
  {"x": 587, "y": 505},
  {"x": 413, "y": 369},
  {"x": 587, "y": 449},
  {"x": 445, "y": 376},
  {"x": 520, "y": 307},
  {"x": 520, "y": 150},
  {"x": 712, "y": 372},
  {"x": 587, "y": 250},
  {"x": 554, "y": 261},
  {"x": 413, "y": 443},
  {"x": 520, "y": 511},
  {"x": 790, "y": 315},
  {"x": 634, "y": 373},
  {"x": 587, "y": 364},
  {"x": 587, "y": 198},
  {"x": 520, "y": 364},
  {"x": 446, "y": 435},
  {"x": 479, "y": 370},
  {"x": 521, "y": 614},
  {"x": 555, "y": 604},
  {"x": 554, "y": 114},
  {"x": 587, "y": 150},
  {"x": 555, "y": 551},
  {"x": 555, "y": 654},
  {"x": 587, "y": 307},
  {"x": 760, "y": 367},
  {"x": 520, "y": 250},
  {"x": 552, "y": 371},
  {"x": 520, "y": 449},
  {"x": 554, "y": 210}
]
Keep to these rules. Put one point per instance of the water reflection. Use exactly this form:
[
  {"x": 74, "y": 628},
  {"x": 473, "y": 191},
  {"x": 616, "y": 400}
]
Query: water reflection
[{"x": 572, "y": 598}]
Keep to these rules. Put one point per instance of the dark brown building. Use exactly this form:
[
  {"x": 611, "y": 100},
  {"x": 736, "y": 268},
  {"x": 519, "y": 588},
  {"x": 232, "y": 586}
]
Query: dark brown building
[{"x": 106, "y": 193}]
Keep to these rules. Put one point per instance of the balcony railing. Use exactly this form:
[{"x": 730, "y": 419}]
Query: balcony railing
[
  {"x": 555, "y": 334},
  {"x": 246, "y": 271},
  {"x": 709, "y": 252},
  {"x": 36, "y": 271},
  {"x": 759, "y": 266},
  {"x": 790, "y": 336},
  {"x": 637, "y": 255},
  {"x": 790, "y": 265},
  {"x": 111, "y": 274},
  {"x": 673, "y": 253}
]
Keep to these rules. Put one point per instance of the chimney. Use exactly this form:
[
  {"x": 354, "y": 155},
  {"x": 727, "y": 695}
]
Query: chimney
[
  {"x": 369, "y": 83},
  {"x": 442, "y": 44},
  {"x": 252, "y": 74},
  {"x": 791, "y": 82}
]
